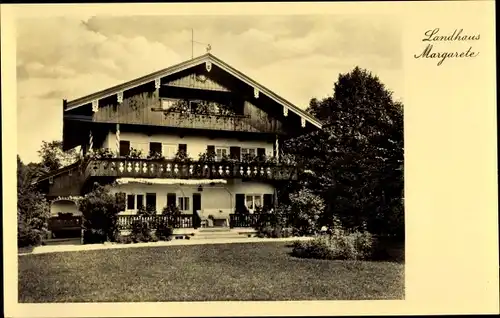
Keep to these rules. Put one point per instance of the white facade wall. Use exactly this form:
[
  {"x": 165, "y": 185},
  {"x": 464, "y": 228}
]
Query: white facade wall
[
  {"x": 195, "y": 144},
  {"x": 214, "y": 198}
]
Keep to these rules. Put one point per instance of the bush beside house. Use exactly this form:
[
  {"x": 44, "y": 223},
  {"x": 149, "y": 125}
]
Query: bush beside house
[
  {"x": 100, "y": 215},
  {"x": 32, "y": 208}
]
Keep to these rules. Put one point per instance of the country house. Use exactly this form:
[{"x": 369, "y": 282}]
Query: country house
[{"x": 199, "y": 135}]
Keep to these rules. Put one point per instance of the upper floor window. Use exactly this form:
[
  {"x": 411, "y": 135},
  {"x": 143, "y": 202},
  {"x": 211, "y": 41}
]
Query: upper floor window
[
  {"x": 169, "y": 150},
  {"x": 221, "y": 152},
  {"x": 248, "y": 152}
]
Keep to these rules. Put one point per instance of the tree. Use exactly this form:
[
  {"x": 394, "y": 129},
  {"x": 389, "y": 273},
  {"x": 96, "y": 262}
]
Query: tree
[
  {"x": 32, "y": 208},
  {"x": 53, "y": 157},
  {"x": 356, "y": 161}
]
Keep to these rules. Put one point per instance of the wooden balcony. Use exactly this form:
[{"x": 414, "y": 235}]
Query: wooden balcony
[
  {"x": 150, "y": 168},
  {"x": 212, "y": 122}
]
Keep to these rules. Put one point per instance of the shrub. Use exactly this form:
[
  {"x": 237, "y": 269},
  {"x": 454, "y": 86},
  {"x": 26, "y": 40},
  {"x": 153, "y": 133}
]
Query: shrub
[
  {"x": 163, "y": 231},
  {"x": 122, "y": 239},
  {"x": 100, "y": 215},
  {"x": 275, "y": 232},
  {"x": 339, "y": 245},
  {"x": 32, "y": 209},
  {"x": 305, "y": 211},
  {"x": 141, "y": 231}
]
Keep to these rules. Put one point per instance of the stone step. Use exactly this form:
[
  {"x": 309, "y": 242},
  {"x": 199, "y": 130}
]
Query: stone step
[{"x": 214, "y": 229}]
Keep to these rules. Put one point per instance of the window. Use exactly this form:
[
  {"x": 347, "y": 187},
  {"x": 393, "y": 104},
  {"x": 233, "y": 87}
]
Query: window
[
  {"x": 221, "y": 152},
  {"x": 248, "y": 152},
  {"x": 169, "y": 150},
  {"x": 151, "y": 201},
  {"x": 131, "y": 202},
  {"x": 124, "y": 148},
  {"x": 134, "y": 201},
  {"x": 253, "y": 201},
  {"x": 184, "y": 203},
  {"x": 155, "y": 148}
]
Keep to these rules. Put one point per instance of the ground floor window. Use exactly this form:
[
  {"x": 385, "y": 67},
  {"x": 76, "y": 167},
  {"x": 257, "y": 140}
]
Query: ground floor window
[
  {"x": 253, "y": 201},
  {"x": 184, "y": 203},
  {"x": 135, "y": 201}
]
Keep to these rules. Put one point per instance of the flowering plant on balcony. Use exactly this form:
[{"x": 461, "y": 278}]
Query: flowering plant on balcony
[
  {"x": 135, "y": 154},
  {"x": 182, "y": 157},
  {"x": 101, "y": 153},
  {"x": 228, "y": 160},
  {"x": 206, "y": 157},
  {"x": 155, "y": 156}
]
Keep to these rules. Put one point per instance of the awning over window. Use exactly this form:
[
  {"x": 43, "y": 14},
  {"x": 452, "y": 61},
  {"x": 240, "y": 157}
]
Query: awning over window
[{"x": 169, "y": 181}]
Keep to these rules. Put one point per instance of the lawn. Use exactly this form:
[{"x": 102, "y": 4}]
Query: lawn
[{"x": 243, "y": 271}]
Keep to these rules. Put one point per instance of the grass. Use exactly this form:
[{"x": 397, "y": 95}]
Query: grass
[{"x": 242, "y": 271}]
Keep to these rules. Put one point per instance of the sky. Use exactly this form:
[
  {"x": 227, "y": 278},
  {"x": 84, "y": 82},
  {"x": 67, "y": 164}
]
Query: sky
[{"x": 297, "y": 57}]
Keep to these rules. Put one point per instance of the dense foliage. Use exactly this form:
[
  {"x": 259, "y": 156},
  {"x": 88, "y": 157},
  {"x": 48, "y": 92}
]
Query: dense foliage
[
  {"x": 356, "y": 162},
  {"x": 32, "y": 208},
  {"x": 100, "y": 211}
]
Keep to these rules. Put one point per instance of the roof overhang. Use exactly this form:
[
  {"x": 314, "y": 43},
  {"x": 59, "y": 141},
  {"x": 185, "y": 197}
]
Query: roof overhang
[{"x": 207, "y": 58}]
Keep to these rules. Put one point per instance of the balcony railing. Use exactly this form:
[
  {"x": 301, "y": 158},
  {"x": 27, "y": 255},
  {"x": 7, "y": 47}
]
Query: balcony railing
[
  {"x": 176, "y": 221},
  {"x": 152, "y": 168},
  {"x": 208, "y": 121}
]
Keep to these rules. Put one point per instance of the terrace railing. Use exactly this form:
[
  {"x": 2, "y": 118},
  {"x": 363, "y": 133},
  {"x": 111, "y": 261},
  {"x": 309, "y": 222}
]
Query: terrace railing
[
  {"x": 125, "y": 222},
  {"x": 252, "y": 220}
]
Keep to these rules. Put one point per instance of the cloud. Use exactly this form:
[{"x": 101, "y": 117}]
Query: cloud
[{"x": 298, "y": 57}]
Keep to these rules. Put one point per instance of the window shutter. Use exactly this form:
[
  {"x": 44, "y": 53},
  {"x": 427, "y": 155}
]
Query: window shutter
[
  {"x": 268, "y": 201},
  {"x": 140, "y": 201},
  {"x": 261, "y": 153},
  {"x": 171, "y": 199},
  {"x": 124, "y": 148},
  {"x": 211, "y": 149},
  {"x": 130, "y": 202},
  {"x": 155, "y": 148},
  {"x": 235, "y": 153},
  {"x": 183, "y": 148},
  {"x": 151, "y": 201},
  {"x": 240, "y": 202}
]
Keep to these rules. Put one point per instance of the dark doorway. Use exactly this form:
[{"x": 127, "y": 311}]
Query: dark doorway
[{"x": 196, "y": 207}]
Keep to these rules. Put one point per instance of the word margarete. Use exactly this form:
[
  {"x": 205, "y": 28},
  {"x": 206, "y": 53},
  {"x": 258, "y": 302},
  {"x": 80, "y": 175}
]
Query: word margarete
[{"x": 433, "y": 36}]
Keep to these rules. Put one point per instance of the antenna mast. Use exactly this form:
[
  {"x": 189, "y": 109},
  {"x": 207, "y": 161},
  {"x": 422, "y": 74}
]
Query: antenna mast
[{"x": 208, "y": 46}]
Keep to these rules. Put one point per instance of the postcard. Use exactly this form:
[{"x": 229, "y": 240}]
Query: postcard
[{"x": 249, "y": 159}]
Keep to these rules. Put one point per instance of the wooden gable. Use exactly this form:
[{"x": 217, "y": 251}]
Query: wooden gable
[{"x": 140, "y": 101}]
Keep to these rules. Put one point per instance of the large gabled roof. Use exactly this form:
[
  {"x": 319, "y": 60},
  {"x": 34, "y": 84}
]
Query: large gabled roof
[{"x": 186, "y": 65}]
